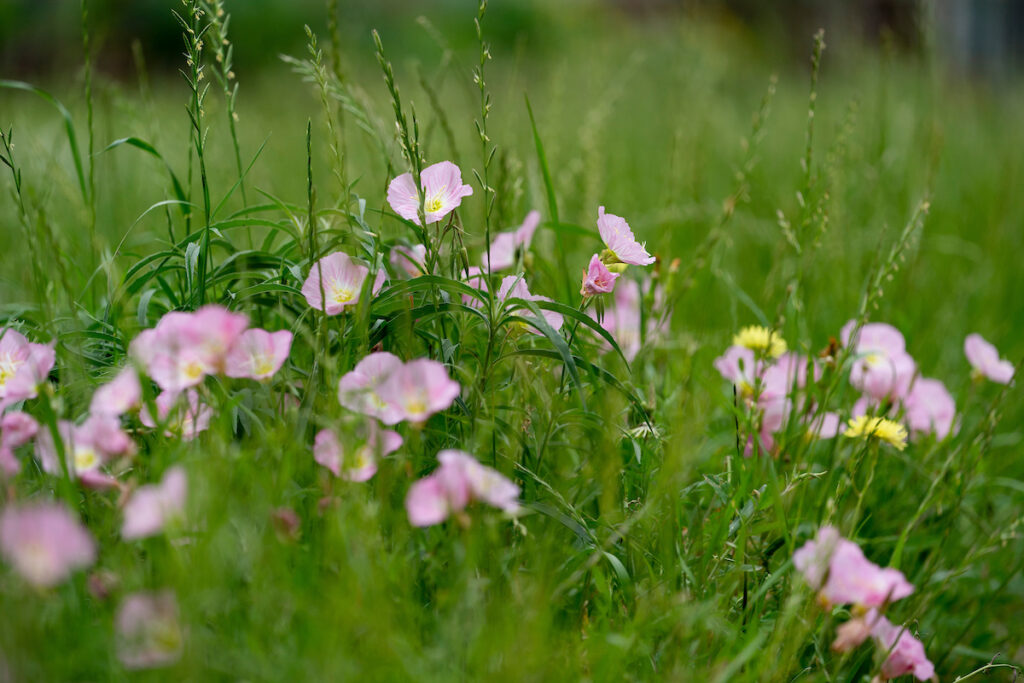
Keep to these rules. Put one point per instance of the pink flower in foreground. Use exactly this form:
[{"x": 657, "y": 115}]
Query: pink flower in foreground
[
  {"x": 930, "y": 408},
  {"x": 906, "y": 653},
  {"x": 23, "y": 367},
  {"x": 417, "y": 390},
  {"x": 327, "y": 451},
  {"x": 151, "y": 507},
  {"x": 618, "y": 237},
  {"x": 119, "y": 395},
  {"x": 984, "y": 358},
  {"x": 149, "y": 634},
  {"x": 597, "y": 279},
  {"x": 442, "y": 193},
  {"x": 410, "y": 260},
  {"x": 357, "y": 389},
  {"x": 258, "y": 354},
  {"x": 459, "y": 480},
  {"x": 502, "y": 252},
  {"x": 44, "y": 542},
  {"x": 883, "y": 368},
  {"x": 87, "y": 447},
  {"x": 339, "y": 278},
  {"x": 16, "y": 429},
  {"x": 848, "y": 576},
  {"x": 185, "y": 418},
  {"x": 515, "y": 287}
]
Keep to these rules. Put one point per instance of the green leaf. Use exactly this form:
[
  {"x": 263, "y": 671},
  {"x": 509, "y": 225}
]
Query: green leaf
[{"x": 139, "y": 143}]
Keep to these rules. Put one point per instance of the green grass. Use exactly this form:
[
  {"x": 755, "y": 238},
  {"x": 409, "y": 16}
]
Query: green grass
[{"x": 642, "y": 555}]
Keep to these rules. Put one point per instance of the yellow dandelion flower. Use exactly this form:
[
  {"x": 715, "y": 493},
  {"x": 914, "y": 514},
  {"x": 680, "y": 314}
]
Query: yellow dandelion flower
[
  {"x": 866, "y": 427},
  {"x": 761, "y": 340}
]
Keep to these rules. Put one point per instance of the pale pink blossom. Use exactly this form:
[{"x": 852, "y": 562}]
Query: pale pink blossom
[
  {"x": 44, "y": 542},
  {"x": 409, "y": 260},
  {"x": 24, "y": 365},
  {"x": 417, "y": 390},
  {"x": 618, "y": 237},
  {"x": 623, "y": 319},
  {"x": 87, "y": 448},
  {"x": 485, "y": 484},
  {"x": 824, "y": 426},
  {"x": 852, "y": 633},
  {"x": 739, "y": 366},
  {"x": 442, "y": 193},
  {"x": 153, "y": 506},
  {"x": 459, "y": 480},
  {"x": 515, "y": 287},
  {"x": 338, "y": 280},
  {"x": 985, "y": 360},
  {"x": 149, "y": 634},
  {"x": 119, "y": 395},
  {"x": 258, "y": 354},
  {"x": 476, "y": 279},
  {"x": 597, "y": 279},
  {"x": 377, "y": 443},
  {"x": 906, "y": 654},
  {"x": 357, "y": 389},
  {"x": 930, "y": 408},
  {"x": 882, "y": 367},
  {"x": 185, "y": 418},
  {"x": 327, "y": 451},
  {"x": 502, "y": 252},
  {"x": 428, "y": 503},
  {"x": 16, "y": 429}
]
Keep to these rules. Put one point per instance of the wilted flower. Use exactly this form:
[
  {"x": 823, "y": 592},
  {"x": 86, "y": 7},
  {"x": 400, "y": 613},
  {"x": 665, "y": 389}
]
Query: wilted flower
[
  {"x": 185, "y": 418},
  {"x": 867, "y": 427},
  {"x": 515, "y": 287},
  {"x": 906, "y": 653},
  {"x": 760, "y": 340},
  {"x": 622, "y": 246},
  {"x": 416, "y": 390},
  {"x": 930, "y": 408},
  {"x": 410, "y": 260},
  {"x": 357, "y": 389},
  {"x": 258, "y": 354},
  {"x": 23, "y": 367},
  {"x": 442, "y": 193},
  {"x": 883, "y": 368},
  {"x": 459, "y": 480},
  {"x": 502, "y": 252},
  {"x": 149, "y": 634},
  {"x": 852, "y": 633},
  {"x": 597, "y": 279},
  {"x": 984, "y": 358},
  {"x": 16, "y": 429},
  {"x": 337, "y": 280},
  {"x": 119, "y": 395},
  {"x": 44, "y": 542},
  {"x": 151, "y": 507}
]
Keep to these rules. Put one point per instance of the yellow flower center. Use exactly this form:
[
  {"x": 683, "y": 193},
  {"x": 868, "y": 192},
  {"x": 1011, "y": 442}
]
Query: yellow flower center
[
  {"x": 8, "y": 368},
  {"x": 363, "y": 458},
  {"x": 415, "y": 406},
  {"x": 85, "y": 459},
  {"x": 192, "y": 369},
  {"x": 433, "y": 205},
  {"x": 262, "y": 365},
  {"x": 342, "y": 294}
]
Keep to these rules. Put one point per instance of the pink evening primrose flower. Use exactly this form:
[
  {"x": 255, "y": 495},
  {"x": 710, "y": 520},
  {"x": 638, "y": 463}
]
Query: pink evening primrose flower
[
  {"x": 44, "y": 542},
  {"x": 357, "y": 389},
  {"x": 502, "y": 252},
  {"x": 459, "y": 480},
  {"x": 619, "y": 239},
  {"x": 258, "y": 354},
  {"x": 87, "y": 447},
  {"x": 327, "y": 451},
  {"x": 410, "y": 260},
  {"x": 515, "y": 287},
  {"x": 739, "y": 366},
  {"x": 984, "y": 358},
  {"x": 185, "y": 418},
  {"x": 597, "y": 279},
  {"x": 442, "y": 193},
  {"x": 623, "y": 319},
  {"x": 151, "y": 507},
  {"x": 906, "y": 653},
  {"x": 148, "y": 631},
  {"x": 119, "y": 395},
  {"x": 342, "y": 283},
  {"x": 883, "y": 368},
  {"x": 23, "y": 367},
  {"x": 417, "y": 390},
  {"x": 930, "y": 408},
  {"x": 16, "y": 429}
]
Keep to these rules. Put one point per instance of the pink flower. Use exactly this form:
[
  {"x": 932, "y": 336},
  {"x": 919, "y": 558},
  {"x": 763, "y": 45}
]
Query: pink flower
[
  {"x": 87, "y": 447},
  {"x": 838, "y": 569},
  {"x": 258, "y": 354},
  {"x": 151, "y": 507},
  {"x": 502, "y": 252},
  {"x": 342, "y": 283},
  {"x": 119, "y": 395},
  {"x": 16, "y": 429},
  {"x": 738, "y": 366},
  {"x": 476, "y": 279},
  {"x": 149, "y": 634},
  {"x": 984, "y": 358},
  {"x": 827, "y": 425},
  {"x": 883, "y": 368},
  {"x": 23, "y": 367},
  {"x": 597, "y": 279},
  {"x": 930, "y": 408},
  {"x": 459, "y": 480},
  {"x": 357, "y": 390},
  {"x": 327, "y": 451},
  {"x": 442, "y": 193},
  {"x": 906, "y": 653},
  {"x": 623, "y": 320},
  {"x": 417, "y": 390},
  {"x": 378, "y": 443},
  {"x": 185, "y": 420},
  {"x": 410, "y": 260},
  {"x": 619, "y": 239},
  {"x": 485, "y": 484},
  {"x": 515, "y": 287},
  {"x": 44, "y": 542}
]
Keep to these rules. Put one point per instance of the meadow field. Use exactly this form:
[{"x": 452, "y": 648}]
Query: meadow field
[{"x": 712, "y": 407}]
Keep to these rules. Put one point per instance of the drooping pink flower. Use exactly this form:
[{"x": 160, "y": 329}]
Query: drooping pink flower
[
  {"x": 151, "y": 507},
  {"x": 119, "y": 395},
  {"x": 410, "y": 260},
  {"x": 597, "y": 279},
  {"x": 459, "y": 480},
  {"x": 339, "y": 278},
  {"x": 502, "y": 252},
  {"x": 417, "y": 390},
  {"x": 427, "y": 502},
  {"x": 45, "y": 542},
  {"x": 16, "y": 429},
  {"x": 327, "y": 451},
  {"x": 24, "y": 365},
  {"x": 984, "y": 358},
  {"x": 87, "y": 447},
  {"x": 618, "y": 237},
  {"x": 148, "y": 630},
  {"x": 377, "y": 443},
  {"x": 185, "y": 418},
  {"x": 357, "y": 389},
  {"x": 906, "y": 653},
  {"x": 883, "y": 368},
  {"x": 442, "y": 193},
  {"x": 258, "y": 354},
  {"x": 485, "y": 484},
  {"x": 930, "y": 408},
  {"x": 623, "y": 320},
  {"x": 515, "y": 287},
  {"x": 852, "y": 633}
]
